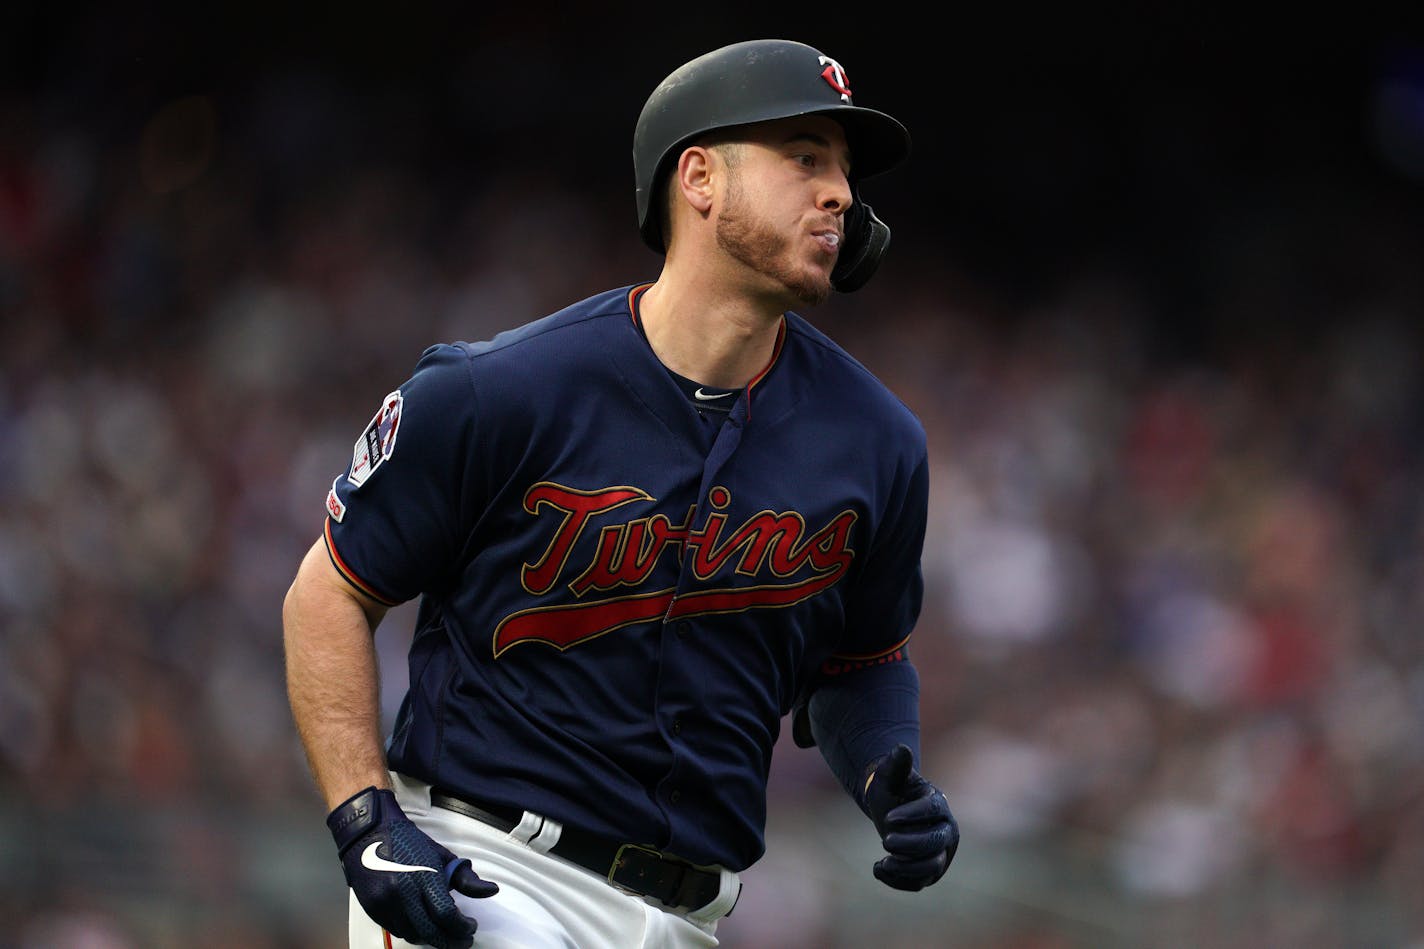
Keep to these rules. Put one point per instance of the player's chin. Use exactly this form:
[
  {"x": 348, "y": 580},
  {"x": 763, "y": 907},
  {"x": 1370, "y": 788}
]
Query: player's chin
[
  {"x": 816, "y": 279},
  {"x": 810, "y": 285},
  {"x": 804, "y": 279}
]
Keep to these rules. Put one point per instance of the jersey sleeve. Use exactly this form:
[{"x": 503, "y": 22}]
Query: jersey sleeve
[
  {"x": 398, "y": 517},
  {"x": 889, "y": 592},
  {"x": 880, "y": 617}
]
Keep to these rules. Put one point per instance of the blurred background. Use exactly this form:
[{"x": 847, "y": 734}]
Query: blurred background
[{"x": 1156, "y": 290}]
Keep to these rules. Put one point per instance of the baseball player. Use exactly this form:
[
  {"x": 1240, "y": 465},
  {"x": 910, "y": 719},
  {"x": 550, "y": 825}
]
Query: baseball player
[{"x": 643, "y": 531}]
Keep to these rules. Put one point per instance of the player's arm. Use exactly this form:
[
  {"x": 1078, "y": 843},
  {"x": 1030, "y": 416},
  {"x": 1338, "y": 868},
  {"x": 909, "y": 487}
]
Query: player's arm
[
  {"x": 862, "y": 709},
  {"x": 866, "y": 724},
  {"x": 401, "y": 877},
  {"x": 333, "y": 678}
]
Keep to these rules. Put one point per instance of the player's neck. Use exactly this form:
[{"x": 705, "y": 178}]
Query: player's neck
[{"x": 715, "y": 339}]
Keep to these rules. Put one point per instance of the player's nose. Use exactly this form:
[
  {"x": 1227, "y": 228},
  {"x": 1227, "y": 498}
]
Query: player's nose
[{"x": 835, "y": 195}]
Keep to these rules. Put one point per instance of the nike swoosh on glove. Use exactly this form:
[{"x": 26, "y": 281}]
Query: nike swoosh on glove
[
  {"x": 401, "y": 877},
  {"x": 913, "y": 819}
]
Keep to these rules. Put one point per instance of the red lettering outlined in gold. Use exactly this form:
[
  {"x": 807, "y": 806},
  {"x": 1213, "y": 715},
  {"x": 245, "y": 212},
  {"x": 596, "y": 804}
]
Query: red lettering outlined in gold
[
  {"x": 774, "y": 541},
  {"x": 625, "y": 555},
  {"x": 613, "y": 566},
  {"x": 577, "y": 507},
  {"x": 573, "y": 623}
]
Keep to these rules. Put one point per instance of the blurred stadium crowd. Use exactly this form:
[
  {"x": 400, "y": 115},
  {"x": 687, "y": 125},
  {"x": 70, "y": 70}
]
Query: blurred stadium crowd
[{"x": 1172, "y": 662}]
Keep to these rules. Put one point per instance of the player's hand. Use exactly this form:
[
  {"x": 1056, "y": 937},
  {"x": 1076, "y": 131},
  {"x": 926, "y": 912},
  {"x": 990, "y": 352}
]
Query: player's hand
[
  {"x": 401, "y": 877},
  {"x": 913, "y": 819}
]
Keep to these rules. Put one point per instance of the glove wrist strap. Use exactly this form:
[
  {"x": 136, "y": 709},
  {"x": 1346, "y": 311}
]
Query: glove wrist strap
[{"x": 352, "y": 818}]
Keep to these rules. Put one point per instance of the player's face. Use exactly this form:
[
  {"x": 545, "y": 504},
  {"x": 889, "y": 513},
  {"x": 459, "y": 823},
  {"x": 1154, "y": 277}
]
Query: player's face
[{"x": 781, "y": 215}]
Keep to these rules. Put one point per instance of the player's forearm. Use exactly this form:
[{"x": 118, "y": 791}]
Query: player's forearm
[
  {"x": 332, "y": 681},
  {"x": 861, "y": 715}
]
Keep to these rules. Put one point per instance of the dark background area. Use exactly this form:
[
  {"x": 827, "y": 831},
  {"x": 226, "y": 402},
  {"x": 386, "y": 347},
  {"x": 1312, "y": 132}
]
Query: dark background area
[{"x": 1046, "y": 141}]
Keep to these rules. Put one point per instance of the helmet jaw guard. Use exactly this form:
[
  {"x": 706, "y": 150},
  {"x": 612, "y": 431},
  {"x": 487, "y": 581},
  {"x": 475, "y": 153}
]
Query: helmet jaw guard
[
  {"x": 758, "y": 81},
  {"x": 866, "y": 240}
]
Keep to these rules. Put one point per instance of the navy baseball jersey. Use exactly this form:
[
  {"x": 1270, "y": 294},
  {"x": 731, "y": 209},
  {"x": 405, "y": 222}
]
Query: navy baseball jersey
[{"x": 620, "y": 596}]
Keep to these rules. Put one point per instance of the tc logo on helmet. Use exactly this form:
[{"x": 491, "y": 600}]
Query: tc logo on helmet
[{"x": 835, "y": 77}]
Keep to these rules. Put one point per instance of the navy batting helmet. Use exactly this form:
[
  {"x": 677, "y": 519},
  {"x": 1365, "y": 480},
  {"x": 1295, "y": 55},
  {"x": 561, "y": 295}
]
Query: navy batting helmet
[{"x": 756, "y": 81}]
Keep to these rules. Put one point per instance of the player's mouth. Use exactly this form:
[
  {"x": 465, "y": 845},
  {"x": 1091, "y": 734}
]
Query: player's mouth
[{"x": 829, "y": 239}]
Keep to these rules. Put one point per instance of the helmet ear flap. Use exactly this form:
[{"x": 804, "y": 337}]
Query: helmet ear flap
[{"x": 866, "y": 240}]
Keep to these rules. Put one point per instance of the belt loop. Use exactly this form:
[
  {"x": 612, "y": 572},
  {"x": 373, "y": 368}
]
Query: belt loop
[
  {"x": 548, "y": 836},
  {"x": 729, "y": 891},
  {"x": 527, "y": 828}
]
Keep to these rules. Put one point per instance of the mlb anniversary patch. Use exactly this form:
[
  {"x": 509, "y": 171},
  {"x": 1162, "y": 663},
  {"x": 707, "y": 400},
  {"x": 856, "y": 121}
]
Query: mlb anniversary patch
[{"x": 378, "y": 441}]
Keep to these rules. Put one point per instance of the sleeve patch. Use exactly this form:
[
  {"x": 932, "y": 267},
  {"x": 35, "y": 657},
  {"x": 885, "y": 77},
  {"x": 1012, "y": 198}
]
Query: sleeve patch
[
  {"x": 378, "y": 441},
  {"x": 334, "y": 505}
]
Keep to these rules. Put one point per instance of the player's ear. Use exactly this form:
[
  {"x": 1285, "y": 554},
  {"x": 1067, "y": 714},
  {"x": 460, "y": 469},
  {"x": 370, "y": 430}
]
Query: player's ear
[{"x": 694, "y": 177}]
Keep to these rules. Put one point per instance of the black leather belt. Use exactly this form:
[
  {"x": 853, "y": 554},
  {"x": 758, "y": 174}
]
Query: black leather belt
[{"x": 633, "y": 867}]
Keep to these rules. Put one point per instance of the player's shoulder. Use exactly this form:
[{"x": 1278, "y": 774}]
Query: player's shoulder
[
  {"x": 849, "y": 382},
  {"x": 566, "y": 334},
  {"x": 558, "y": 344}
]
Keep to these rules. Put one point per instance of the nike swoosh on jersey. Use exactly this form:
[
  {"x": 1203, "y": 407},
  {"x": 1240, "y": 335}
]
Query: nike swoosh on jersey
[
  {"x": 707, "y": 396},
  {"x": 373, "y": 861}
]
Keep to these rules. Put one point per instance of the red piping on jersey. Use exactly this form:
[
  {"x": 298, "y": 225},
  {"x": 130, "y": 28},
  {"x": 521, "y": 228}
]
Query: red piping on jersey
[
  {"x": 637, "y": 317},
  {"x": 633, "y": 296},
  {"x": 348, "y": 574},
  {"x": 775, "y": 354},
  {"x": 840, "y": 664},
  {"x": 870, "y": 656}
]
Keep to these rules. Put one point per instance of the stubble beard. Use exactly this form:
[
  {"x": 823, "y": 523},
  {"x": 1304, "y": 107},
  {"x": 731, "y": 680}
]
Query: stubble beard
[{"x": 767, "y": 252}]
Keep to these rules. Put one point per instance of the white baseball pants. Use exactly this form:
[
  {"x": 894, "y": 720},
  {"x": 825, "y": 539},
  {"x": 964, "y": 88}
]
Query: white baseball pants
[{"x": 544, "y": 902}]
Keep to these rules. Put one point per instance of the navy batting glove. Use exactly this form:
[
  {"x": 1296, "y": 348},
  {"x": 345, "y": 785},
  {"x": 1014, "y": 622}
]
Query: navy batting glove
[
  {"x": 911, "y": 815},
  {"x": 400, "y": 876}
]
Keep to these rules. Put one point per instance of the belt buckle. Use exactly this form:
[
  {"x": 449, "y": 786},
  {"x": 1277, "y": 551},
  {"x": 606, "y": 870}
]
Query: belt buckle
[{"x": 619, "y": 864}]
